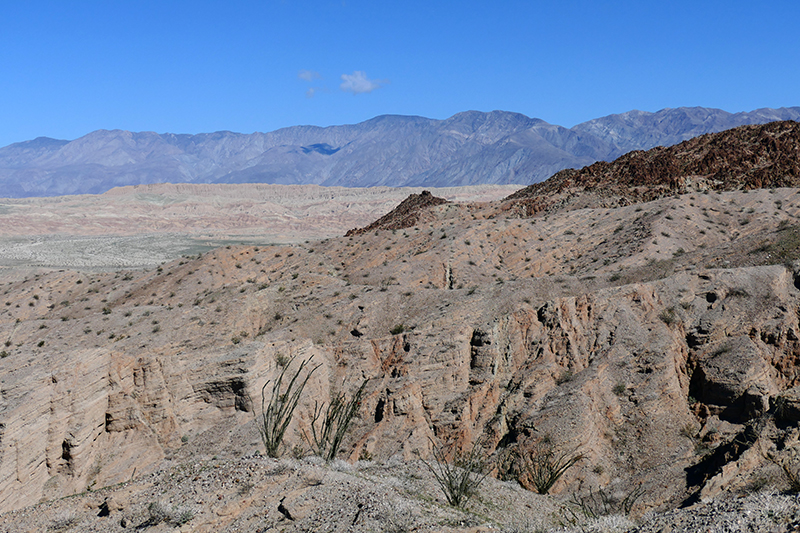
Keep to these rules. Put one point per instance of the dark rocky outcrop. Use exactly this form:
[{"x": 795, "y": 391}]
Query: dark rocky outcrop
[
  {"x": 743, "y": 158},
  {"x": 409, "y": 213}
]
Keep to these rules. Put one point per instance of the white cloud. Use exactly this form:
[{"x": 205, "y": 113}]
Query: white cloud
[
  {"x": 308, "y": 75},
  {"x": 358, "y": 83},
  {"x": 311, "y": 92}
]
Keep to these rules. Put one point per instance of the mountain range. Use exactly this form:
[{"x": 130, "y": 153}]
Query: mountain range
[{"x": 468, "y": 148}]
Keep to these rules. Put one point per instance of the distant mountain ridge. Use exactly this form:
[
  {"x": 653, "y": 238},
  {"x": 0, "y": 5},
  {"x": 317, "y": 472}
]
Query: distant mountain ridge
[{"x": 468, "y": 148}]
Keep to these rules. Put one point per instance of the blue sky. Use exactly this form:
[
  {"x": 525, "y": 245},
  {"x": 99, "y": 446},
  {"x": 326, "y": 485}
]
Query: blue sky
[{"x": 71, "y": 67}]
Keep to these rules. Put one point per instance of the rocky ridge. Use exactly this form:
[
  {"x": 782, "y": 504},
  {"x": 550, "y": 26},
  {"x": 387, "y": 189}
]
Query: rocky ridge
[
  {"x": 659, "y": 340},
  {"x": 744, "y": 158},
  {"x": 409, "y": 213}
]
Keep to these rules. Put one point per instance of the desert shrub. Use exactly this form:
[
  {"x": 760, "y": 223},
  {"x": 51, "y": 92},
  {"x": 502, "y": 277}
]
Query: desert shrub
[
  {"x": 605, "y": 524},
  {"x": 278, "y": 409},
  {"x": 460, "y": 478},
  {"x": 159, "y": 512},
  {"x": 668, "y": 316},
  {"x": 738, "y": 292},
  {"x": 523, "y": 524},
  {"x": 329, "y": 425},
  {"x": 565, "y": 377},
  {"x": 544, "y": 464},
  {"x": 298, "y": 451},
  {"x": 759, "y": 483},
  {"x": 62, "y": 520},
  {"x": 602, "y": 503},
  {"x": 281, "y": 360},
  {"x": 396, "y": 518},
  {"x": 791, "y": 471},
  {"x": 398, "y": 329}
]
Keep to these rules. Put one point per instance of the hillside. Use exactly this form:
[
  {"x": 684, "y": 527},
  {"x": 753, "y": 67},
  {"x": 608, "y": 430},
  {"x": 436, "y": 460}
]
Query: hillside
[
  {"x": 657, "y": 340},
  {"x": 744, "y": 158},
  {"x": 468, "y": 148}
]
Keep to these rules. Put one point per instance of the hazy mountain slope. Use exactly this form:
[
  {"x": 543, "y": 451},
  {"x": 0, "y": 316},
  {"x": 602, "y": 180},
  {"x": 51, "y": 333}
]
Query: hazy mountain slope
[
  {"x": 638, "y": 130},
  {"x": 466, "y": 149}
]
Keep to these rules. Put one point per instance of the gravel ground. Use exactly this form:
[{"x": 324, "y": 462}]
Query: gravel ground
[
  {"x": 762, "y": 512},
  {"x": 109, "y": 252},
  {"x": 259, "y": 494}
]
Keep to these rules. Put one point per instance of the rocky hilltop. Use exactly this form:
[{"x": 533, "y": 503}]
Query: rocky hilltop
[
  {"x": 468, "y": 148},
  {"x": 408, "y": 214},
  {"x": 745, "y": 158},
  {"x": 655, "y": 342}
]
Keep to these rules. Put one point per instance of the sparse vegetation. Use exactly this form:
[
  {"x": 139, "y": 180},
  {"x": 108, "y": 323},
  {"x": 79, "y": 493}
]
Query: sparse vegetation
[
  {"x": 544, "y": 465},
  {"x": 565, "y": 377},
  {"x": 786, "y": 246},
  {"x": 668, "y": 316},
  {"x": 278, "y": 409},
  {"x": 159, "y": 512},
  {"x": 460, "y": 478},
  {"x": 791, "y": 471},
  {"x": 602, "y": 503},
  {"x": 63, "y": 520},
  {"x": 329, "y": 425}
]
